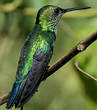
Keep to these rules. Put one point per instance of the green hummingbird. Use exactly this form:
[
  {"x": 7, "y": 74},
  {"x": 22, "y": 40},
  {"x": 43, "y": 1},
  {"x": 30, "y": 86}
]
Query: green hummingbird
[{"x": 36, "y": 54}]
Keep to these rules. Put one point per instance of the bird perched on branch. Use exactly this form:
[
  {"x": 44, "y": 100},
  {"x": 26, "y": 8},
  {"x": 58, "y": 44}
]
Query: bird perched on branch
[{"x": 36, "y": 54}]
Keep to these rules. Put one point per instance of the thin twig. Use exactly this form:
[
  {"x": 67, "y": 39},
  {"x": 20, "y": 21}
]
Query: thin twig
[
  {"x": 82, "y": 71},
  {"x": 81, "y": 46}
]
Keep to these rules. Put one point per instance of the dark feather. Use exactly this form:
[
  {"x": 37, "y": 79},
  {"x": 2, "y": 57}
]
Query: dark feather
[{"x": 33, "y": 79}]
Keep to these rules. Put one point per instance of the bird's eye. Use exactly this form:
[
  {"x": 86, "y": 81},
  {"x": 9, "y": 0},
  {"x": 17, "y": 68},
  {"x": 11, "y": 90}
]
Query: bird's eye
[{"x": 56, "y": 11}]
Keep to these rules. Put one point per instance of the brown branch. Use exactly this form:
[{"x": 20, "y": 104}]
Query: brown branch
[
  {"x": 4, "y": 98},
  {"x": 81, "y": 46},
  {"x": 82, "y": 71}
]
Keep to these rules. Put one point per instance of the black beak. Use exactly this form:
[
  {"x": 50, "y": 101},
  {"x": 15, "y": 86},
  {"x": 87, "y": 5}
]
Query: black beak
[{"x": 73, "y": 9}]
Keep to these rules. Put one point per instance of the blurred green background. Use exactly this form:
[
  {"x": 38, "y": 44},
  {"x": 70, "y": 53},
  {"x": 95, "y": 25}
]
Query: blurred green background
[{"x": 67, "y": 89}]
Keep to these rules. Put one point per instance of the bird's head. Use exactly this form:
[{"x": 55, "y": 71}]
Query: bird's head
[{"x": 49, "y": 16}]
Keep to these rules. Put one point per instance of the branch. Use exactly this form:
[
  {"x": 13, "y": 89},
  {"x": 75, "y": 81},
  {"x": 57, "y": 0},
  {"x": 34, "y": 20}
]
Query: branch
[
  {"x": 4, "y": 98},
  {"x": 82, "y": 71},
  {"x": 81, "y": 46}
]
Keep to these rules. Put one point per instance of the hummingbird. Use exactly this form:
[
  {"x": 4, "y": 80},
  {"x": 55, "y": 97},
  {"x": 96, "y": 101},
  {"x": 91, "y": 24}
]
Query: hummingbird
[{"x": 36, "y": 54}]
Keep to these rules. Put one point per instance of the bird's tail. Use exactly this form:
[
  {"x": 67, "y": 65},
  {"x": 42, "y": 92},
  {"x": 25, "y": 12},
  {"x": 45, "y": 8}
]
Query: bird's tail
[{"x": 13, "y": 95}]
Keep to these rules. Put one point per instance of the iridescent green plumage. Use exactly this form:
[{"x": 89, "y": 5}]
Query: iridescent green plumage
[
  {"x": 36, "y": 54},
  {"x": 35, "y": 41}
]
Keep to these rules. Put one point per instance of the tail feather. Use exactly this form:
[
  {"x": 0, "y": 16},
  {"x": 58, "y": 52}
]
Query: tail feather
[
  {"x": 27, "y": 94},
  {"x": 13, "y": 95}
]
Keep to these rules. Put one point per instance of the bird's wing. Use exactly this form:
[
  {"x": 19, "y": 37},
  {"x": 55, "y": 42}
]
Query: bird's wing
[
  {"x": 33, "y": 79},
  {"x": 23, "y": 90}
]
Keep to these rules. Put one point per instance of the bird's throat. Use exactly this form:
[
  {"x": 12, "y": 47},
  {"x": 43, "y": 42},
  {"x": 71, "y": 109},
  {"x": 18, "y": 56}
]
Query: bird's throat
[{"x": 48, "y": 26}]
